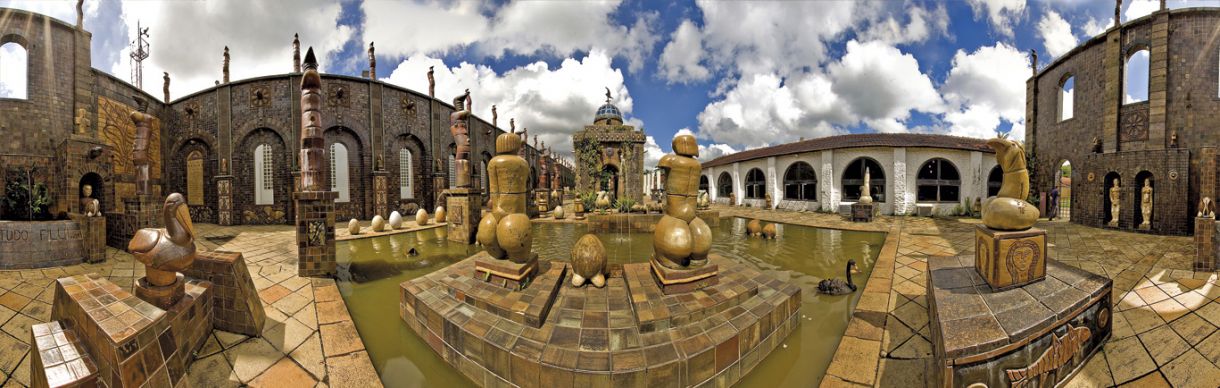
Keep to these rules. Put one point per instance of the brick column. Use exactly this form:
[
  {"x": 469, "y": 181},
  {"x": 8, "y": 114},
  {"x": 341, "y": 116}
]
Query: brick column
[
  {"x": 1158, "y": 65},
  {"x": 224, "y": 200},
  {"x": 1205, "y": 244},
  {"x": 1112, "y": 96},
  {"x": 315, "y": 223}
]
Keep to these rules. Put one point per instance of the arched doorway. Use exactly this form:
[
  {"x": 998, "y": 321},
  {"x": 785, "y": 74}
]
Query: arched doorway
[
  {"x": 609, "y": 181},
  {"x": 703, "y": 183},
  {"x": 1063, "y": 182}
]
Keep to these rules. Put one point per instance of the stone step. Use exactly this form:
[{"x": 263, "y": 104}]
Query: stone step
[{"x": 59, "y": 358}]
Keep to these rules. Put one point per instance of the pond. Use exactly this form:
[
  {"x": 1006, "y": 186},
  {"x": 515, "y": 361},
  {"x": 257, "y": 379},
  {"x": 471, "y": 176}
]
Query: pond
[{"x": 370, "y": 271}]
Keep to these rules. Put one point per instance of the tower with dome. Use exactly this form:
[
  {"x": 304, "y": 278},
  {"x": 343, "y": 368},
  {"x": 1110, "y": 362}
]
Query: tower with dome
[{"x": 610, "y": 155}]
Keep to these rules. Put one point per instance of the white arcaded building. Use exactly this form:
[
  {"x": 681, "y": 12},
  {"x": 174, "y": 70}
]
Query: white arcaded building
[{"x": 907, "y": 172}]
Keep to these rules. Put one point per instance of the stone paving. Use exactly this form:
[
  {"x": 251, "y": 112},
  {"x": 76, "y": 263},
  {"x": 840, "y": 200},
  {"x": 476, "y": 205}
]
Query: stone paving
[
  {"x": 308, "y": 340},
  {"x": 1165, "y": 328}
]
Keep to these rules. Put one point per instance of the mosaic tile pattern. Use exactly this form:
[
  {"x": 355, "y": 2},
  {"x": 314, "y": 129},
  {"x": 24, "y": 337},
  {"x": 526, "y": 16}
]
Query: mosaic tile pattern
[
  {"x": 237, "y": 308},
  {"x": 61, "y": 358}
]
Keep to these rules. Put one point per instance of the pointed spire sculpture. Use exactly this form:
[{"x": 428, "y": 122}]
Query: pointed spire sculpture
[
  {"x": 312, "y": 153},
  {"x": 372, "y": 63},
  {"x": 296, "y": 53},
  {"x": 431, "y": 84},
  {"x": 225, "y": 70},
  {"x": 165, "y": 86}
]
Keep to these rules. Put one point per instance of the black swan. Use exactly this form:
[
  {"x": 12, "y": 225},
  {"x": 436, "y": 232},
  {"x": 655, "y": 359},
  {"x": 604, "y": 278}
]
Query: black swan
[{"x": 839, "y": 286}]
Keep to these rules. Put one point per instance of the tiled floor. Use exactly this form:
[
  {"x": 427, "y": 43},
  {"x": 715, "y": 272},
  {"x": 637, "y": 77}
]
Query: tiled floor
[
  {"x": 1165, "y": 331},
  {"x": 307, "y": 341}
]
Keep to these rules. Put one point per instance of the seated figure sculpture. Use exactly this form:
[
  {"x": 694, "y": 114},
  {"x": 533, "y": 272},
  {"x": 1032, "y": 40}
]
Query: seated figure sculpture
[
  {"x": 1008, "y": 209},
  {"x": 505, "y": 231},
  {"x": 681, "y": 240}
]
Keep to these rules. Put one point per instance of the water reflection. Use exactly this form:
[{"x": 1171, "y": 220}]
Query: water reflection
[{"x": 370, "y": 271}]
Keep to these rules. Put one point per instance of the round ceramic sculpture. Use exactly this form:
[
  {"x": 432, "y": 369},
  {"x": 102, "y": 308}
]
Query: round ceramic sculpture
[
  {"x": 588, "y": 261},
  {"x": 514, "y": 236},
  {"x": 558, "y": 213},
  {"x": 421, "y": 217},
  {"x": 768, "y": 231},
  {"x": 1008, "y": 209},
  {"x": 378, "y": 224},
  {"x": 486, "y": 235},
  {"x": 701, "y": 239},
  {"x": 753, "y": 228},
  {"x": 672, "y": 240},
  {"x": 395, "y": 220},
  {"x": 440, "y": 214},
  {"x": 353, "y": 227}
]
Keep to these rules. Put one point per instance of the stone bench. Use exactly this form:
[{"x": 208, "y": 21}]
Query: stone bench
[{"x": 59, "y": 359}]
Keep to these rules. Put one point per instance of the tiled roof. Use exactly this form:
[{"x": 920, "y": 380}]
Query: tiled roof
[{"x": 855, "y": 141}]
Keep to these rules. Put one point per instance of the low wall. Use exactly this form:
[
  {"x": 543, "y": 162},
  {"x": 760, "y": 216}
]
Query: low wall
[
  {"x": 38, "y": 244},
  {"x": 638, "y": 222}
]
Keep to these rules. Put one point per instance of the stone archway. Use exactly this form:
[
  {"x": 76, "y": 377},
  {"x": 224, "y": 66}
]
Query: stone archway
[{"x": 609, "y": 181}]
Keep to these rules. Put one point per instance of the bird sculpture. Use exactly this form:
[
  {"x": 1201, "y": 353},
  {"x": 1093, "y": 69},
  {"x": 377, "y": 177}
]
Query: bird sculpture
[
  {"x": 166, "y": 251},
  {"x": 840, "y": 286}
]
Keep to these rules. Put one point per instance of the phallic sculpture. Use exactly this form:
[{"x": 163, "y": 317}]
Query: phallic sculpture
[
  {"x": 139, "y": 148},
  {"x": 431, "y": 83},
  {"x": 395, "y": 220},
  {"x": 296, "y": 54},
  {"x": 82, "y": 121},
  {"x": 313, "y": 155},
  {"x": 225, "y": 70},
  {"x": 1008, "y": 209},
  {"x": 1116, "y": 195},
  {"x": 165, "y": 85},
  {"x": 89, "y": 205},
  {"x": 164, "y": 252},
  {"x": 680, "y": 239},
  {"x": 457, "y": 128},
  {"x": 505, "y": 231},
  {"x": 1146, "y": 204},
  {"x": 588, "y": 262},
  {"x": 1207, "y": 208},
  {"x": 372, "y": 62},
  {"x": 494, "y": 116},
  {"x": 353, "y": 227},
  {"x": 866, "y": 193}
]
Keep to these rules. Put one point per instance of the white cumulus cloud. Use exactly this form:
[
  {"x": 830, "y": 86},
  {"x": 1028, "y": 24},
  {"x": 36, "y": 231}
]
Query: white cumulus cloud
[
  {"x": 1056, "y": 34},
  {"x": 1002, "y": 14},
  {"x": 985, "y": 87},
  {"x": 680, "y": 61}
]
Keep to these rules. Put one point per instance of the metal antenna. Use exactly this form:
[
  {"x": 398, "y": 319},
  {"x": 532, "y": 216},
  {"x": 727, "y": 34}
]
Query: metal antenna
[{"x": 139, "y": 52}]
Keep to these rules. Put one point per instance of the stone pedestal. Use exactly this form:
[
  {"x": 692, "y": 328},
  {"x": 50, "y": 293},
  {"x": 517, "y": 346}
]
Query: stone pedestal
[
  {"x": 133, "y": 343},
  {"x": 674, "y": 281},
  {"x": 504, "y": 273},
  {"x": 1007, "y": 259},
  {"x": 381, "y": 202},
  {"x": 224, "y": 200},
  {"x": 238, "y": 308},
  {"x": 161, "y": 296},
  {"x": 1205, "y": 244},
  {"x": 862, "y": 212},
  {"x": 542, "y": 200},
  {"x": 463, "y": 207},
  {"x": 315, "y": 233}
]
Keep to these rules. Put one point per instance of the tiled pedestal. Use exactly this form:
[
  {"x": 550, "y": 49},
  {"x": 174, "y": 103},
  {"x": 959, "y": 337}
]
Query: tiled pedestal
[
  {"x": 93, "y": 236},
  {"x": 59, "y": 359},
  {"x": 507, "y": 274},
  {"x": 132, "y": 342},
  {"x": 1205, "y": 244},
  {"x": 862, "y": 212},
  {"x": 463, "y": 207},
  {"x": 678, "y": 281},
  {"x": 1035, "y": 335},
  {"x": 1007, "y": 259},
  {"x": 315, "y": 223},
  {"x": 236, "y": 307},
  {"x": 627, "y": 334}
]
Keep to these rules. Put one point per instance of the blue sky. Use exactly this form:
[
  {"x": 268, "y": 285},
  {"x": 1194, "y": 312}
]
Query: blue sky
[{"x": 736, "y": 74}]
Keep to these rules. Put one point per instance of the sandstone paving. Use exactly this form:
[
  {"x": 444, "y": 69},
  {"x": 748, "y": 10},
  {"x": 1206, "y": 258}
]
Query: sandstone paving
[
  {"x": 1165, "y": 321},
  {"x": 289, "y": 353}
]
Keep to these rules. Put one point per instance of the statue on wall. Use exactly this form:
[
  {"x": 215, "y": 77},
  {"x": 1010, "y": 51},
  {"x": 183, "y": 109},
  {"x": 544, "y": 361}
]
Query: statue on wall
[
  {"x": 680, "y": 239},
  {"x": 1207, "y": 208},
  {"x": 1116, "y": 195},
  {"x": 505, "y": 231},
  {"x": 165, "y": 86},
  {"x": 1008, "y": 209},
  {"x": 457, "y": 128},
  {"x": 372, "y": 62},
  {"x": 89, "y": 206},
  {"x": 866, "y": 192},
  {"x": 296, "y": 54},
  {"x": 1146, "y": 204},
  {"x": 139, "y": 147},
  {"x": 494, "y": 117},
  {"x": 313, "y": 155},
  {"x": 226, "y": 65},
  {"x": 80, "y": 14},
  {"x": 82, "y": 121},
  {"x": 1173, "y": 139},
  {"x": 1096, "y": 145},
  {"x": 431, "y": 84},
  {"x": 512, "y": 125},
  {"x": 1033, "y": 60}
]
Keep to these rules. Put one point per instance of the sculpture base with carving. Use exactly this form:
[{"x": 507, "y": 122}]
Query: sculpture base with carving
[
  {"x": 1007, "y": 259},
  {"x": 862, "y": 212},
  {"x": 315, "y": 222},
  {"x": 463, "y": 207}
]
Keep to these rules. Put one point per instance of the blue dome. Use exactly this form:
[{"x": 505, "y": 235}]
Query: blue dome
[{"x": 608, "y": 112}]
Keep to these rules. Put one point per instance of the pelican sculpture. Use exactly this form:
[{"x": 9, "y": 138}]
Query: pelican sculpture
[
  {"x": 839, "y": 286},
  {"x": 166, "y": 251}
]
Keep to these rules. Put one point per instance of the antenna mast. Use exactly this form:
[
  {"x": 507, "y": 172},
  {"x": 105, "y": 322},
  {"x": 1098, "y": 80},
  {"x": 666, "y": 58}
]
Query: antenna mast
[{"x": 139, "y": 52}]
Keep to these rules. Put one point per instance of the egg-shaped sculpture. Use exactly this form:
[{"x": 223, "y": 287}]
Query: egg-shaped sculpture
[
  {"x": 558, "y": 213},
  {"x": 440, "y": 214},
  {"x": 588, "y": 261},
  {"x": 395, "y": 220},
  {"x": 378, "y": 224},
  {"x": 353, "y": 227},
  {"x": 421, "y": 217}
]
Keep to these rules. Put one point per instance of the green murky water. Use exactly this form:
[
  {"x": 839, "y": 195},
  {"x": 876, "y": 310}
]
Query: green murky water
[{"x": 370, "y": 271}]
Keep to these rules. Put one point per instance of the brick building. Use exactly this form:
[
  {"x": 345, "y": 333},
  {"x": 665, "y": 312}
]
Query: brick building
[
  {"x": 1079, "y": 110},
  {"x": 232, "y": 148},
  {"x": 610, "y": 155}
]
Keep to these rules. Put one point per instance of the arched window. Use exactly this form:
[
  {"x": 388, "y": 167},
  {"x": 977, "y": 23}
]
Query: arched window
[
  {"x": 264, "y": 175},
  {"x": 1067, "y": 97},
  {"x": 194, "y": 178},
  {"x": 339, "y": 172},
  {"x": 800, "y": 182},
  {"x": 724, "y": 185},
  {"x": 993, "y": 181},
  {"x": 938, "y": 181},
  {"x": 406, "y": 175},
  {"x": 756, "y": 184},
  {"x": 1135, "y": 84},
  {"x": 703, "y": 184},
  {"x": 853, "y": 179},
  {"x": 14, "y": 67}
]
